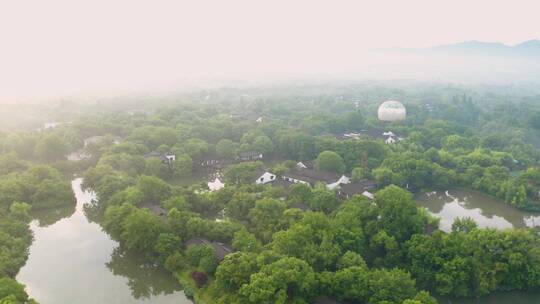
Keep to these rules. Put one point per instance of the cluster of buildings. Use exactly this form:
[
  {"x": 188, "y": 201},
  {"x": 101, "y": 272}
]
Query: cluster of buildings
[
  {"x": 166, "y": 158},
  {"x": 389, "y": 137},
  {"x": 388, "y": 111},
  {"x": 303, "y": 173}
]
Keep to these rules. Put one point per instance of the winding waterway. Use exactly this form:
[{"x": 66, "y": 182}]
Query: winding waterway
[{"x": 73, "y": 261}]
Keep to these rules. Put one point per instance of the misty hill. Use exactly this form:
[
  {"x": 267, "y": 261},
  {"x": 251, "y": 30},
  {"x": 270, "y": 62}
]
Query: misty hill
[
  {"x": 471, "y": 61},
  {"x": 527, "y": 48},
  {"x": 477, "y": 48}
]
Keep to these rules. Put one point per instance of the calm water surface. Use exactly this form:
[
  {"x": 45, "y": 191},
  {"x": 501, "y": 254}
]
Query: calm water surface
[
  {"x": 485, "y": 210},
  {"x": 73, "y": 261}
]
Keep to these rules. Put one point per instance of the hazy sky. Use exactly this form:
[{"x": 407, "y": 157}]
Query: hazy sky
[{"x": 58, "y": 47}]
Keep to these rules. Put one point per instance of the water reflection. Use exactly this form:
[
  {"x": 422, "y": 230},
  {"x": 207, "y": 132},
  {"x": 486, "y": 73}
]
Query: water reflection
[
  {"x": 485, "y": 210},
  {"x": 46, "y": 217},
  {"x": 144, "y": 279},
  {"x": 73, "y": 261},
  {"x": 93, "y": 211}
]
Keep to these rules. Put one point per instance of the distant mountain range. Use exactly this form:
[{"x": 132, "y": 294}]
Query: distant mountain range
[
  {"x": 527, "y": 48},
  {"x": 471, "y": 61}
]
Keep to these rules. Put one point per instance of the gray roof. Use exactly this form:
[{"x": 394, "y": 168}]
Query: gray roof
[
  {"x": 313, "y": 176},
  {"x": 154, "y": 154},
  {"x": 259, "y": 172},
  {"x": 94, "y": 139},
  {"x": 279, "y": 182},
  {"x": 249, "y": 154},
  {"x": 154, "y": 208},
  {"x": 357, "y": 188},
  {"x": 300, "y": 206},
  {"x": 308, "y": 163},
  {"x": 220, "y": 249},
  {"x": 377, "y": 133}
]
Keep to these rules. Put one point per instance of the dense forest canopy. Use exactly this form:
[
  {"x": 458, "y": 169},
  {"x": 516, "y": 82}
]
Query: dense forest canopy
[{"x": 147, "y": 160}]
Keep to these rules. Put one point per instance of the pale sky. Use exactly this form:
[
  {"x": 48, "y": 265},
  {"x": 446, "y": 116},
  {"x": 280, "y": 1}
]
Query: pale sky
[{"x": 67, "y": 47}]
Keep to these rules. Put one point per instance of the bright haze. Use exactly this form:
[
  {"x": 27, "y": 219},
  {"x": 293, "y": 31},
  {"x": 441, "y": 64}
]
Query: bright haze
[{"x": 59, "y": 48}]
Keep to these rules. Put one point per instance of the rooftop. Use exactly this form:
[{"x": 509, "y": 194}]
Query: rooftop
[
  {"x": 154, "y": 208},
  {"x": 249, "y": 153},
  {"x": 357, "y": 188},
  {"x": 300, "y": 206},
  {"x": 220, "y": 249},
  {"x": 313, "y": 176}
]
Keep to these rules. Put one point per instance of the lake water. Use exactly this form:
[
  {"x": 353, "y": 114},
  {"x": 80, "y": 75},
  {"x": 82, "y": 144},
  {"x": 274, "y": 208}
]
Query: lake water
[
  {"x": 485, "y": 210},
  {"x": 73, "y": 261}
]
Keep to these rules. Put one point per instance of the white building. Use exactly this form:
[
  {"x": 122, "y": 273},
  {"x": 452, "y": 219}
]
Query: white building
[
  {"x": 265, "y": 178},
  {"x": 216, "y": 184},
  {"x": 170, "y": 157},
  {"x": 390, "y": 140}
]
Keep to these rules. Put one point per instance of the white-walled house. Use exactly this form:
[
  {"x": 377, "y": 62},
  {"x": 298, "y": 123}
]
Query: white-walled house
[
  {"x": 390, "y": 140},
  {"x": 216, "y": 184},
  {"x": 300, "y": 165},
  {"x": 341, "y": 181},
  {"x": 170, "y": 157},
  {"x": 265, "y": 177},
  {"x": 368, "y": 195},
  {"x": 166, "y": 158}
]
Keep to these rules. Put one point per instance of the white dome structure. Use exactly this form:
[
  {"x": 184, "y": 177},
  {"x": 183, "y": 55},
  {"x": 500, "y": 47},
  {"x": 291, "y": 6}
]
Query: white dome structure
[{"x": 391, "y": 110}]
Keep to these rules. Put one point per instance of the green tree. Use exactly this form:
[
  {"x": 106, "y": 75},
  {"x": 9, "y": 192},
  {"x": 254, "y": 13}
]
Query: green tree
[
  {"x": 141, "y": 230},
  {"x": 399, "y": 215},
  {"x": 263, "y": 144},
  {"x": 167, "y": 244},
  {"x": 235, "y": 271},
  {"x": 226, "y": 148},
  {"x": 324, "y": 200},
  {"x": 12, "y": 292},
  {"x": 287, "y": 279},
  {"x": 153, "y": 188},
  {"x": 463, "y": 224},
  {"x": 154, "y": 166},
  {"x": 239, "y": 206},
  {"x": 300, "y": 193},
  {"x": 351, "y": 259},
  {"x": 243, "y": 173},
  {"x": 182, "y": 166},
  {"x": 359, "y": 174},
  {"x": 51, "y": 148},
  {"x": 196, "y": 147},
  {"x": 245, "y": 241},
  {"x": 265, "y": 217},
  {"x": 330, "y": 161},
  {"x": 202, "y": 256}
]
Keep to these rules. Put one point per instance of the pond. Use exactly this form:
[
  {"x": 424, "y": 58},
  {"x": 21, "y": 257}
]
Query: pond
[
  {"x": 73, "y": 261},
  {"x": 485, "y": 210}
]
